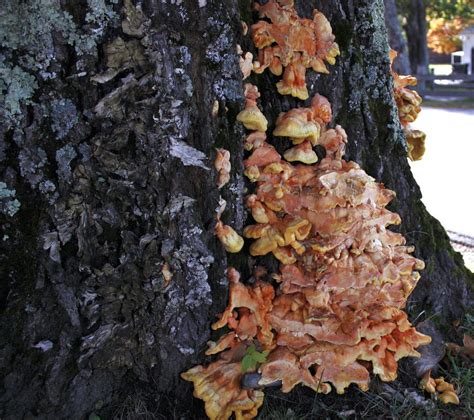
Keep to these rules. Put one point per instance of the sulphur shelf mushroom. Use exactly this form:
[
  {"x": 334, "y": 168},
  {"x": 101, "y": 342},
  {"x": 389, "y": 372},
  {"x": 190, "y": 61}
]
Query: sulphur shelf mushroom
[
  {"x": 337, "y": 316},
  {"x": 231, "y": 240},
  {"x": 292, "y": 43}
]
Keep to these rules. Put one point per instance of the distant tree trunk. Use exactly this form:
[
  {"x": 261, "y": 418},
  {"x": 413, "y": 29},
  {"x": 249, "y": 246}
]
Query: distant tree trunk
[
  {"x": 111, "y": 161},
  {"x": 396, "y": 38},
  {"x": 417, "y": 29}
]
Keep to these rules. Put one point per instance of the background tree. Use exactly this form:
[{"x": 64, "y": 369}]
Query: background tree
[
  {"x": 396, "y": 37},
  {"x": 446, "y": 19},
  {"x": 110, "y": 270},
  {"x": 416, "y": 29}
]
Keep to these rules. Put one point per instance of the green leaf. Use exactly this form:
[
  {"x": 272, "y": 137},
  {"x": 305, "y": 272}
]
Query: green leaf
[
  {"x": 260, "y": 357},
  {"x": 253, "y": 358},
  {"x": 248, "y": 363},
  {"x": 251, "y": 349}
]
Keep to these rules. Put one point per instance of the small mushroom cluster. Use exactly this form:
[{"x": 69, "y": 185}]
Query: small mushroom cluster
[
  {"x": 439, "y": 387},
  {"x": 293, "y": 43},
  {"x": 409, "y": 106}
]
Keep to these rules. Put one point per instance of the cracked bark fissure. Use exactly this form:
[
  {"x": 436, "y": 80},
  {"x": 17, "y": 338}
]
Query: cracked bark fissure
[{"x": 81, "y": 269}]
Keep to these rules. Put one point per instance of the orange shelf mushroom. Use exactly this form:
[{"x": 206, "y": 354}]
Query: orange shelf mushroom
[
  {"x": 409, "y": 106},
  {"x": 223, "y": 167},
  {"x": 219, "y": 384},
  {"x": 251, "y": 116},
  {"x": 337, "y": 316},
  {"x": 231, "y": 240},
  {"x": 292, "y": 43}
]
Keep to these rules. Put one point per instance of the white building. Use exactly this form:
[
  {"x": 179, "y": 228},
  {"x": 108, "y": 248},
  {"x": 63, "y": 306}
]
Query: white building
[{"x": 466, "y": 56}]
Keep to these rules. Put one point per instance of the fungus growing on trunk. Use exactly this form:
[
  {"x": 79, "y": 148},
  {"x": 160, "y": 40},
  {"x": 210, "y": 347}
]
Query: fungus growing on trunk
[
  {"x": 223, "y": 167},
  {"x": 231, "y": 240},
  {"x": 251, "y": 116},
  {"x": 292, "y": 43},
  {"x": 218, "y": 385},
  {"x": 344, "y": 277},
  {"x": 416, "y": 143},
  {"x": 409, "y": 106}
]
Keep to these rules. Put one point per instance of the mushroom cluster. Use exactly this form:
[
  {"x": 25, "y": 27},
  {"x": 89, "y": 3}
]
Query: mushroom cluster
[
  {"x": 219, "y": 384},
  {"x": 409, "y": 106},
  {"x": 333, "y": 314},
  {"x": 440, "y": 388},
  {"x": 344, "y": 278},
  {"x": 293, "y": 43}
]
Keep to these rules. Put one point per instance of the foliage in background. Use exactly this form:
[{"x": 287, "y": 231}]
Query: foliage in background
[
  {"x": 443, "y": 35},
  {"x": 446, "y": 9},
  {"x": 450, "y": 9}
]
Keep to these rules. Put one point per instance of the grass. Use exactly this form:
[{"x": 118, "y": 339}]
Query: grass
[{"x": 466, "y": 103}]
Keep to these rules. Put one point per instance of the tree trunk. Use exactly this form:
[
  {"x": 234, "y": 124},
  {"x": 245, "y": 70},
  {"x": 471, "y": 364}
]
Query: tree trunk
[
  {"x": 416, "y": 29},
  {"x": 396, "y": 38},
  {"x": 111, "y": 161}
]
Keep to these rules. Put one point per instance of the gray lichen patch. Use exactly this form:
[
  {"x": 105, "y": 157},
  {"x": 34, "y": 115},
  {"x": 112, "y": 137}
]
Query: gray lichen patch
[
  {"x": 9, "y": 205},
  {"x": 64, "y": 117},
  {"x": 64, "y": 156},
  {"x": 16, "y": 87},
  {"x": 32, "y": 161},
  {"x": 28, "y": 31}
]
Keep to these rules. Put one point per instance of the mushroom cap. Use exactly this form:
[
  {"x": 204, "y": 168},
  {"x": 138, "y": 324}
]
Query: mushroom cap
[
  {"x": 263, "y": 156},
  {"x": 223, "y": 167},
  {"x": 253, "y": 119},
  {"x": 321, "y": 108},
  {"x": 252, "y": 173},
  {"x": 296, "y": 127},
  {"x": 301, "y": 153},
  {"x": 231, "y": 240},
  {"x": 218, "y": 385},
  {"x": 449, "y": 397},
  {"x": 416, "y": 143}
]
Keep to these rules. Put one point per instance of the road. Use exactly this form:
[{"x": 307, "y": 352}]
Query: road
[{"x": 446, "y": 172}]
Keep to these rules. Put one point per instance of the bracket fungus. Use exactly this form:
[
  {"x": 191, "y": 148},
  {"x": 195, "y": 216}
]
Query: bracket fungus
[
  {"x": 415, "y": 142},
  {"x": 337, "y": 315},
  {"x": 409, "y": 106},
  {"x": 251, "y": 116},
  {"x": 292, "y": 43},
  {"x": 231, "y": 240},
  {"x": 334, "y": 313},
  {"x": 245, "y": 62},
  {"x": 223, "y": 167}
]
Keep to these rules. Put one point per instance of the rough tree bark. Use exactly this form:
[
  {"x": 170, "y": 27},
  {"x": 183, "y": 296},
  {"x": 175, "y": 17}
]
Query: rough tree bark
[
  {"x": 396, "y": 38},
  {"x": 111, "y": 163}
]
